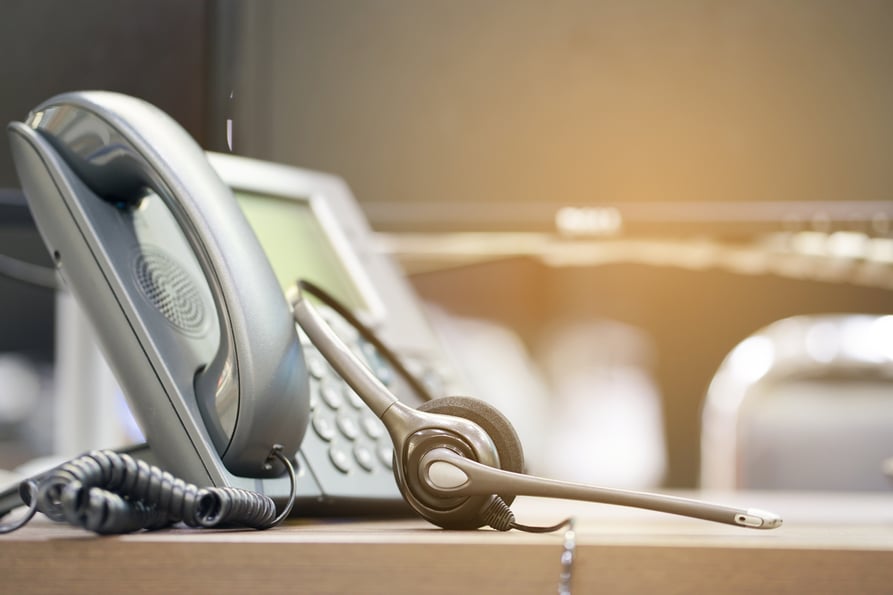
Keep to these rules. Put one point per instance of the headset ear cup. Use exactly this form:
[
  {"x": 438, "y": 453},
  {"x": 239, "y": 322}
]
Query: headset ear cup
[{"x": 494, "y": 423}]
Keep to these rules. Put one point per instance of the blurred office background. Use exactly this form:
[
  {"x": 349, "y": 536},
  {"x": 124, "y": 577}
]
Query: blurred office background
[
  {"x": 156, "y": 50},
  {"x": 728, "y": 161}
]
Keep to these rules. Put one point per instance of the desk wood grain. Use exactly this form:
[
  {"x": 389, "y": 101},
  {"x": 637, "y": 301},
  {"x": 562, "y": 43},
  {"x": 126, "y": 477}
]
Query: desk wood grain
[{"x": 829, "y": 544}]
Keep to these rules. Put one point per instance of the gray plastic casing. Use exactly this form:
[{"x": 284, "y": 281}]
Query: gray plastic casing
[{"x": 181, "y": 296}]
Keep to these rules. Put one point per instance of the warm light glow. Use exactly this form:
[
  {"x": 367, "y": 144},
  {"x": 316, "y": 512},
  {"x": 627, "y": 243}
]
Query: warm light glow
[
  {"x": 861, "y": 341},
  {"x": 811, "y": 243},
  {"x": 823, "y": 342},
  {"x": 882, "y": 336},
  {"x": 848, "y": 244},
  {"x": 596, "y": 221},
  {"x": 751, "y": 359}
]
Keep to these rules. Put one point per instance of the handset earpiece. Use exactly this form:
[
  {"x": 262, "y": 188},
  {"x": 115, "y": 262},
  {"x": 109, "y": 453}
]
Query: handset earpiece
[
  {"x": 505, "y": 441},
  {"x": 155, "y": 247}
]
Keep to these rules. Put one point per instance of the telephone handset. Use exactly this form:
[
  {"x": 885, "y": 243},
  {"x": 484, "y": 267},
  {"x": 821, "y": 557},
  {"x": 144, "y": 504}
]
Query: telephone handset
[
  {"x": 179, "y": 291},
  {"x": 191, "y": 310}
]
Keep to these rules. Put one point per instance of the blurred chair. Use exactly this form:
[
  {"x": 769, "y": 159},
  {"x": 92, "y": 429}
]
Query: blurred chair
[
  {"x": 583, "y": 403},
  {"x": 805, "y": 403},
  {"x": 605, "y": 407}
]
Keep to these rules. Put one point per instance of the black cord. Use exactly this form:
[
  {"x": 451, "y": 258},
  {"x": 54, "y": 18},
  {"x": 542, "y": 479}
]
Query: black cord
[
  {"x": 367, "y": 334},
  {"x": 112, "y": 493},
  {"x": 499, "y": 516},
  {"x": 293, "y": 480},
  {"x": 14, "y": 211},
  {"x": 26, "y": 272},
  {"x": 568, "y": 522},
  {"x": 28, "y": 493}
]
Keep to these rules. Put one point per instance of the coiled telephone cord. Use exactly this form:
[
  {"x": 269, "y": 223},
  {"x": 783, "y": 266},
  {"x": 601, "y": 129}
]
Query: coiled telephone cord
[{"x": 111, "y": 493}]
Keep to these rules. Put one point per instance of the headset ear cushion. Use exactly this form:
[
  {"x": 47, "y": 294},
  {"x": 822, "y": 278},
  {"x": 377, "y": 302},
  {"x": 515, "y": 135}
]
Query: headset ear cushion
[{"x": 494, "y": 423}]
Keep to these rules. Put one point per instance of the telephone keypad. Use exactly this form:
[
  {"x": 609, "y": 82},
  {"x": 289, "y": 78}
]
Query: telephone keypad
[
  {"x": 344, "y": 430},
  {"x": 347, "y": 437}
]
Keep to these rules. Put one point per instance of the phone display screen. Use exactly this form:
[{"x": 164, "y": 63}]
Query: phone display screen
[{"x": 298, "y": 245}]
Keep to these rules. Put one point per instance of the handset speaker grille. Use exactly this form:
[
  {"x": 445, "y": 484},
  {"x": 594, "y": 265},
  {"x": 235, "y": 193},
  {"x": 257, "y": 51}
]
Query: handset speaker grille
[{"x": 171, "y": 290}]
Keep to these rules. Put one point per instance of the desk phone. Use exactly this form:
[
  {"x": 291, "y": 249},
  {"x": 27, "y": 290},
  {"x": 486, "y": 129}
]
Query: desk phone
[
  {"x": 181, "y": 261},
  {"x": 311, "y": 227}
]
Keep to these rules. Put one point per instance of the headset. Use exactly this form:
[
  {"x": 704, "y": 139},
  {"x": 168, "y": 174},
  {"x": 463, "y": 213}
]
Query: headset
[{"x": 458, "y": 461}]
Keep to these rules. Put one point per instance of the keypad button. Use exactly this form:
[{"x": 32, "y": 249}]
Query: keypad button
[
  {"x": 364, "y": 457},
  {"x": 331, "y": 395},
  {"x": 316, "y": 366},
  {"x": 323, "y": 426},
  {"x": 339, "y": 458},
  {"x": 352, "y": 397},
  {"x": 386, "y": 456},
  {"x": 314, "y": 396},
  {"x": 372, "y": 426},
  {"x": 348, "y": 426}
]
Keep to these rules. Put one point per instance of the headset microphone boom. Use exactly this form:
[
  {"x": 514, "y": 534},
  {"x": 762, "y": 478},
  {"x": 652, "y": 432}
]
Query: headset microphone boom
[{"x": 459, "y": 463}]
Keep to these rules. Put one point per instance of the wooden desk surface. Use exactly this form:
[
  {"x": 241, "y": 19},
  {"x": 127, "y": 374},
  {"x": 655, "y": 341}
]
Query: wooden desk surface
[{"x": 828, "y": 544}]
